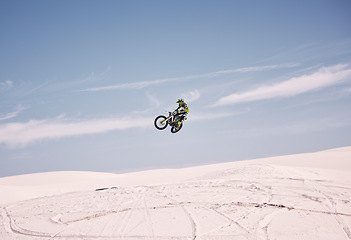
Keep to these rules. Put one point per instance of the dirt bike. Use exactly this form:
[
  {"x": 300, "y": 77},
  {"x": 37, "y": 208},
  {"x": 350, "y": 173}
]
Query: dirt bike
[{"x": 161, "y": 122}]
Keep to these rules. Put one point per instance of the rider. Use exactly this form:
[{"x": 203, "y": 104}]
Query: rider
[{"x": 181, "y": 111}]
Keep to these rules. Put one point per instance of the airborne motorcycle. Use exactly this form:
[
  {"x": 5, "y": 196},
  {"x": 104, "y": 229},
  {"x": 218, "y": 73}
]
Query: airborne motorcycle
[{"x": 161, "y": 122}]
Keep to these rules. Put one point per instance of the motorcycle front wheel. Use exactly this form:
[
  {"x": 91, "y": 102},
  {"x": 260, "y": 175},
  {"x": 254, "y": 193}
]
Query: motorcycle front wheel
[{"x": 160, "y": 122}]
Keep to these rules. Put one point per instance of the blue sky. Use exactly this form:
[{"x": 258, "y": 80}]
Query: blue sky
[{"x": 82, "y": 81}]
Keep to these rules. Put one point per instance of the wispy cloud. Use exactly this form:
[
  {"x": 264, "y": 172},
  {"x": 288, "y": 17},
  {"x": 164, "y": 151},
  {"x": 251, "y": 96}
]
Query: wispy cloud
[
  {"x": 256, "y": 69},
  {"x": 324, "y": 77},
  {"x": 13, "y": 114},
  {"x": 191, "y": 96},
  {"x": 134, "y": 85},
  {"x": 305, "y": 127},
  {"x": 143, "y": 84},
  {"x": 20, "y": 134},
  {"x": 154, "y": 103}
]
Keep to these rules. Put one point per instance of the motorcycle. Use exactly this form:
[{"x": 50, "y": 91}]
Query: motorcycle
[{"x": 161, "y": 122}]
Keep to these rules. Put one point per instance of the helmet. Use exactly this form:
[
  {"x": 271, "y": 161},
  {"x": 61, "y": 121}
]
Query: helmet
[{"x": 180, "y": 100}]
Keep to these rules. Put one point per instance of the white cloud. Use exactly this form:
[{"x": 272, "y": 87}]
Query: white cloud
[
  {"x": 143, "y": 84},
  {"x": 305, "y": 127},
  {"x": 191, "y": 96},
  {"x": 255, "y": 69},
  {"x": 12, "y": 114},
  {"x": 324, "y": 77},
  {"x": 22, "y": 133},
  {"x": 134, "y": 85}
]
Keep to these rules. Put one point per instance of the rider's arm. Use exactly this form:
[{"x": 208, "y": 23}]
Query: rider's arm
[{"x": 180, "y": 109}]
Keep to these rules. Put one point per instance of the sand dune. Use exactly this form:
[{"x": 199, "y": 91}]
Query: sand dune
[{"x": 304, "y": 196}]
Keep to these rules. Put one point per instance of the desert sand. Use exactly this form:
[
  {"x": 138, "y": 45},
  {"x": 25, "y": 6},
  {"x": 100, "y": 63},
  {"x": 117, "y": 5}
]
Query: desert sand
[{"x": 303, "y": 196}]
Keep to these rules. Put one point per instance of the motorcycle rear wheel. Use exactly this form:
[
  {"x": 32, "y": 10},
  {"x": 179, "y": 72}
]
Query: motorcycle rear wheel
[{"x": 176, "y": 129}]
